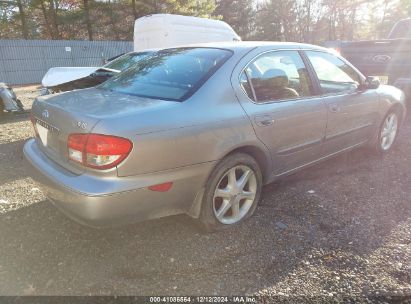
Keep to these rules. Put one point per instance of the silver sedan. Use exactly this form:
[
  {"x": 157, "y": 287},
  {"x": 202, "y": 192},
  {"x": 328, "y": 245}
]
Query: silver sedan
[{"x": 199, "y": 130}]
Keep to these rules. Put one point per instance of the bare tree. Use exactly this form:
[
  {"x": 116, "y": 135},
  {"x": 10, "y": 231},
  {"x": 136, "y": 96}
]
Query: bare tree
[
  {"x": 87, "y": 19},
  {"x": 46, "y": 19},
  {"x": 53, "y": 7},
  {"x": 24, "y": 29},
  {"x": 133, "y": 5}
]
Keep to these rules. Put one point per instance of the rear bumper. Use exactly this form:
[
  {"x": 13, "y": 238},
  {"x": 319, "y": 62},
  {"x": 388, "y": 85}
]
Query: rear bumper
[{"x": 100, "y": 201}]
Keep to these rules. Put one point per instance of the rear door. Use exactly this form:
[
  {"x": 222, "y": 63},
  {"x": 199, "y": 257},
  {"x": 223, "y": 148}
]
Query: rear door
[
  {"x": 277, "y": 94},
  {"x": 352, "y": 113}
]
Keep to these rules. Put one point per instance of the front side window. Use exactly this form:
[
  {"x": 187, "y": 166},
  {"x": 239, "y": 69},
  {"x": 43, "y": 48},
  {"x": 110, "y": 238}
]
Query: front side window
[
  {"x": 335, "y": 75},
  {"x": 274, "y": 76},
  {"x": 173, "y": 74}
]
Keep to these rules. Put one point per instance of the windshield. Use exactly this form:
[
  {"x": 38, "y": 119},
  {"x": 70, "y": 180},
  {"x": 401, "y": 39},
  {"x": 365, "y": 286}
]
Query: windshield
[
  {"x": 124, "y": 62},
  {"x": 173, "y": 74}
]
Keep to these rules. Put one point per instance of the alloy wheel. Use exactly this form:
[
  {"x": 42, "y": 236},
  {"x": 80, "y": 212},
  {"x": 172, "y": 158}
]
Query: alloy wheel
[
  {"x": 235, "y": 194},
  {"x": 389, "y": 131}
]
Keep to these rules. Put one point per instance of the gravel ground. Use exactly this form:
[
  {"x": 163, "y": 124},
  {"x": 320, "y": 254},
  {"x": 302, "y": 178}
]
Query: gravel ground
[{"x": 339, "y": 229}]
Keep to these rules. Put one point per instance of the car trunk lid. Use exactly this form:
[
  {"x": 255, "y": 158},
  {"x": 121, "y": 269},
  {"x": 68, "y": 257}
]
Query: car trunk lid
[
  {"x": 58, "y": 116},
  {"x": 53, "y": 125}
]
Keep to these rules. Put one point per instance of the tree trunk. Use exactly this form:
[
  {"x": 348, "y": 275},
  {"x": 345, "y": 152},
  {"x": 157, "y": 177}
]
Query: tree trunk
[
  {"x": 87, "y": 19},
  {"x": 386, "y": 2},
  {"x": 353, "y": 23},
  {"x": 53, "y": 11},
  {"x": 133, "y": 4},
  {"x": 113, "y": 21},
  {"x": 46, "y": 20},
  {"x": 155, "y": 7},
  {"x": 308, "y": 23},
  {"x": 24, "y": 30}
]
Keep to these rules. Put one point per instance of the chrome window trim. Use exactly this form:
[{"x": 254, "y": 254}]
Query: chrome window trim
[
  {"x": 250, "y": 83},
  {"x": 345, "y": 93}
]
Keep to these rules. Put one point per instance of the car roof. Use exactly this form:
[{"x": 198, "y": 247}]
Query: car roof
[{"x": 241, "y": 45}]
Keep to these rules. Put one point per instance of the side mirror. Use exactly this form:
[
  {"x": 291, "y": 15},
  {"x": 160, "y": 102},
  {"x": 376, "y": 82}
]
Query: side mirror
[{"x": 371, "y": 83}]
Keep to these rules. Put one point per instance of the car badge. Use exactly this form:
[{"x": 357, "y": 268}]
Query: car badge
[
  {"x": 82, "y": 125},
  {"x": 381, "y": 58},
  {"x": 45, "y": 114}
]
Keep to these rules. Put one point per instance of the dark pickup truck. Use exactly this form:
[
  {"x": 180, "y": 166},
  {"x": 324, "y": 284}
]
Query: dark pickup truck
[{"x": 389, "y": 59}]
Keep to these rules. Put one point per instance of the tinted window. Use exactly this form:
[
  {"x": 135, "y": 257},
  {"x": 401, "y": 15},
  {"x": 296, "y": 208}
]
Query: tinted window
[
  {"x": 124, "y": 62},
  {"x": 335, "y": 75},
  {"x": 173, "y": 74},
  {"x": 276, "y": 76}
]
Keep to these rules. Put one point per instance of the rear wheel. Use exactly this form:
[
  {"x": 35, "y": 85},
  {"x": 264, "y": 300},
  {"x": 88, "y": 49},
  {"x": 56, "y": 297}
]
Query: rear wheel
[{"x": 232, "y": 192}]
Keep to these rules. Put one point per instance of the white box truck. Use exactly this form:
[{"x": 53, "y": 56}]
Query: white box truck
[{"x": 166, "y": 30}]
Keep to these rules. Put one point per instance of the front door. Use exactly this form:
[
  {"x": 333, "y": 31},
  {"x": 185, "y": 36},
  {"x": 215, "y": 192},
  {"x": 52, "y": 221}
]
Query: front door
[
  {"x": 278, "y": 96},
  {"x": 352, "y": 113}
]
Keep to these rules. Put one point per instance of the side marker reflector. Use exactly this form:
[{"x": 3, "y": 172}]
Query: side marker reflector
[{"x": 161, "y": 187}]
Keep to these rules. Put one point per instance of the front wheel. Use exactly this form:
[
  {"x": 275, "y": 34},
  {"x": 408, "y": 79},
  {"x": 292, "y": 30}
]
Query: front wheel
[
  {"x": 388, "y": 133},
  {"x": 232, "y": 192}
]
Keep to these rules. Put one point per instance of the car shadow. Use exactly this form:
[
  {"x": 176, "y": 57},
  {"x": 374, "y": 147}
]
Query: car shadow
[{"x": 12, "y": 162}]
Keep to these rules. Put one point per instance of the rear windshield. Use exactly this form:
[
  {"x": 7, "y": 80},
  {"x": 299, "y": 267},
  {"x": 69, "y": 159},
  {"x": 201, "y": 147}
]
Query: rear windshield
[
  {"x": 124, "y": 62},
  {"x": 173, "y": 74}
]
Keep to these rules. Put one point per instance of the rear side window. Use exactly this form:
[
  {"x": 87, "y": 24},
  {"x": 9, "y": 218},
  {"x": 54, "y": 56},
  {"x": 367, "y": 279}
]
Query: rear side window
[
  {"x": 173, "y": 74},
  {"x": 335, "y": 75},
  {"x": 274, "y": 76}
]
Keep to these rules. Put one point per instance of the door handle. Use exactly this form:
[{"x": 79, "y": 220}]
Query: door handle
[{"x": 264, "y": 120}]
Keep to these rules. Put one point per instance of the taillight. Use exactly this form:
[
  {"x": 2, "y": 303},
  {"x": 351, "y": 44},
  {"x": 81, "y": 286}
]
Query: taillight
[
  {"x": 76, "y": 145},
  {"x": 33, "y": 121},
  {"x": 98, "y": 151}
]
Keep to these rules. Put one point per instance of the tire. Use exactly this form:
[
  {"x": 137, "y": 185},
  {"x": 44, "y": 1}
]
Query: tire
[
  {"x": 20, "y": 105},
  {"x": 381, "y": 144},
  {"x": 235, "y": 201},
  {"x": 1, "y": 107}
]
